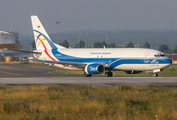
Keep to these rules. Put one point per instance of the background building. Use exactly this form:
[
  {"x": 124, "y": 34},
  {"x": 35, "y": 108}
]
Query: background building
[{"x": 9, "y": 40}]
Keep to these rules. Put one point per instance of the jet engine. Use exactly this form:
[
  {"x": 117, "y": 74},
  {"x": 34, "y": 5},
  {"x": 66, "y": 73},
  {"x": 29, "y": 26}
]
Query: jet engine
[
  {"x": 94, "y": 69},
  {"x": 133, "y": 72}
]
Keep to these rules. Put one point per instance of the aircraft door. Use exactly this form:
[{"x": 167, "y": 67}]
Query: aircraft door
[{"x": 146, "y": 57}]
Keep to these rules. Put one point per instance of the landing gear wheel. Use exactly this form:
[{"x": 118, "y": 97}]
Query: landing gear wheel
[
  {"x": 155, "y": 75},
  {"x": 87, "y": 75},
  {"x": 108, "y": 74}
]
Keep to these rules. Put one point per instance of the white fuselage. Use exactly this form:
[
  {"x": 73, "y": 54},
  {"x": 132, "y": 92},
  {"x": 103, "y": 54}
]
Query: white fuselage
[{"x": 118, "y": 58}]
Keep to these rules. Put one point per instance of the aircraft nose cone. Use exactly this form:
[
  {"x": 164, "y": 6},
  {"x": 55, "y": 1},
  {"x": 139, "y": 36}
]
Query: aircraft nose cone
[{"x": 169, "y": 61}]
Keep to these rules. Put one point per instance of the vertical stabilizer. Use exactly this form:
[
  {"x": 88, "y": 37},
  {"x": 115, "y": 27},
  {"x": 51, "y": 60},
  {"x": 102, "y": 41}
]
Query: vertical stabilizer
[{"x": 42, "y": 39}]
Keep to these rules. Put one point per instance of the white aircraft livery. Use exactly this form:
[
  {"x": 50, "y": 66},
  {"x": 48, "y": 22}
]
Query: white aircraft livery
[{"x": 96, "y": 60}]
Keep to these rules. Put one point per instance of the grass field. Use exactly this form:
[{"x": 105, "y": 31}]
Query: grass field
[
  {"x": 88, "y": 103},
  {"x": 170, "y": 71}
]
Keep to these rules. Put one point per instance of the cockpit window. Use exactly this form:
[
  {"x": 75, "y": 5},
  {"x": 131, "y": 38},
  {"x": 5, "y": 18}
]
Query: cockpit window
[
  {"x": 156, "y": 55},
  {"x": 162, "y": 55},
  {"x": 159, "y": 55}
]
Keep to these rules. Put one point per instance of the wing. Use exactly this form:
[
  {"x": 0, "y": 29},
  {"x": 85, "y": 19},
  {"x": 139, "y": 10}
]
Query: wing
[
  {"x": 24, "y": 51},
  {"x": 74, "y": 64}
]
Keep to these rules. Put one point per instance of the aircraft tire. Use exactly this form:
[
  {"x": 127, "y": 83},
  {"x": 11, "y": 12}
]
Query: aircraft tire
[
  {"x": 87, "y": 75},
  {"x": 108, "y": 74}
]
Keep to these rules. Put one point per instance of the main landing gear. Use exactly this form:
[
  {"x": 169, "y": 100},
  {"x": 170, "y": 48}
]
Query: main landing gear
[
  {"x": 108, "y": 74},
  {"x": 87, "y": 75}
]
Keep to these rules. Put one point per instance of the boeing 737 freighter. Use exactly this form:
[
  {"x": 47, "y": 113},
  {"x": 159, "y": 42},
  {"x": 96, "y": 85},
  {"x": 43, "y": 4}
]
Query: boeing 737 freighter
[{"x": 96, "y": 60}]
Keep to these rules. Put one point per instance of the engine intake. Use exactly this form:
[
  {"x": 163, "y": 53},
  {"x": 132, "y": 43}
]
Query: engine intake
[{"x": 94, "y": 69}]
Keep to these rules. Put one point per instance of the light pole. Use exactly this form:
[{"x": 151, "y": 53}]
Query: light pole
[
  {"x": 172, "y": 41},
  {"x": 79, "y": 41},
  {"x": 87, "y": 40},
  {"x": 106, "y": 40},
  {"x": 69, "y": 39},
  {"x": 57, "y": 31}
]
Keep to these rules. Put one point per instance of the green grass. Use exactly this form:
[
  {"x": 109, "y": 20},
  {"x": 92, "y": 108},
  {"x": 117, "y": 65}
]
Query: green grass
[
  {"x": 88, "y": 102},
  {"x": 170, "y": 71}
]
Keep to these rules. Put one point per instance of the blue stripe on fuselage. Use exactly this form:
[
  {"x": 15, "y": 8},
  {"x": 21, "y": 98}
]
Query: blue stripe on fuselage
[
  {"x": 141, "y": 61},
  {"x": 113, "y": 62}
]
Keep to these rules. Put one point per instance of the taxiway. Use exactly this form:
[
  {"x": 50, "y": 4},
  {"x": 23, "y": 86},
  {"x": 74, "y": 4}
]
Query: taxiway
[{"x": 39, "y": 75}]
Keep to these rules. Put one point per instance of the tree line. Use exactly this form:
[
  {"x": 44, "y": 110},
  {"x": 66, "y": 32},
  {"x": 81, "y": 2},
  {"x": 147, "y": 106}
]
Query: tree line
[
  {"x": 163, "y": 48},
  {"x": 81, "y": 44}
]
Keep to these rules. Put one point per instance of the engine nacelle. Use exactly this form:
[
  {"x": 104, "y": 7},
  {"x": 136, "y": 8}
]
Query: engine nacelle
[
  {"x": 133, "y": 72},
  {"x": 94, "y": 69}
]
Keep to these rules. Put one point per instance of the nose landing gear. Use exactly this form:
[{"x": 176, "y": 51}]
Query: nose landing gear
[{"x": 155, "y": 75}]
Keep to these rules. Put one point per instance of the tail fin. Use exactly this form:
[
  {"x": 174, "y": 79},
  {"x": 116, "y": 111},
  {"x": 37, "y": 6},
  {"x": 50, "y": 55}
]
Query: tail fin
[{"x": 42, "y": 39}]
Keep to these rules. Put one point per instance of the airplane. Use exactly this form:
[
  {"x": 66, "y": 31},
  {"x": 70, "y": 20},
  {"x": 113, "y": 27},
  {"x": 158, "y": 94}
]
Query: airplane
[{"x": 96, "y": 60}]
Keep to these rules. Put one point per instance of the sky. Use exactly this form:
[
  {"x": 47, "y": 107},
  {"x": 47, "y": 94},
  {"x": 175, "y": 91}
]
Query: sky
[{"x": 88, "y": 15}]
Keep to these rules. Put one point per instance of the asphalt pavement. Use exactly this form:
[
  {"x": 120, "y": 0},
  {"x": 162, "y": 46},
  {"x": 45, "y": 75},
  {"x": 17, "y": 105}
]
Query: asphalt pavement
[{"x": 25, "y": 74}]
